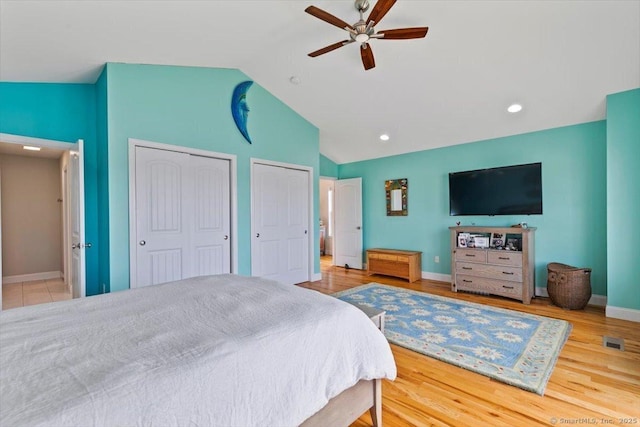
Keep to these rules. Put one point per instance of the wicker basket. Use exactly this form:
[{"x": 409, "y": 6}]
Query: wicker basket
[{"x": 569, "y": 287}]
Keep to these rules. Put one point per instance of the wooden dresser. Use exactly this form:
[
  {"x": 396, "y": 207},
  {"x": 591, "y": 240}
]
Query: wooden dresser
[
  {"x": 508, "y": 273},
  {"x": 397, "y": 263}
]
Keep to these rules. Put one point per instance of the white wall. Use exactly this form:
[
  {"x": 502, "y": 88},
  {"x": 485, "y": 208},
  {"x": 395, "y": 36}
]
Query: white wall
[{"x": 31, "y": 215}]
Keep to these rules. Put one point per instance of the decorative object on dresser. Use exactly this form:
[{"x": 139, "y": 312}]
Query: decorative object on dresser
[
  {"x": 516, "y": 348},
  {"x": 397, "y": 263},
  {"x": 569, "y": 287},
  {"x": 507, "y": 272}
]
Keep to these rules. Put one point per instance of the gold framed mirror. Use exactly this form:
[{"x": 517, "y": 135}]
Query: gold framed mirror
[{"x": 397, "y": 196}]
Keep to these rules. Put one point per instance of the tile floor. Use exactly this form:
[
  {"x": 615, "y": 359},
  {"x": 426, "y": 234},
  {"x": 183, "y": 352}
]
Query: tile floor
[{"x": 36, "y": 292}]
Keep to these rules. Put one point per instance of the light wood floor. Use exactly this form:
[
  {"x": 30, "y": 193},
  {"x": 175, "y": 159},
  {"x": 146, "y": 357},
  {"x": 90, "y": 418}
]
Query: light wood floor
[
  {"x": 590, "y": 385},
  {"x": 35, "y": 292}
]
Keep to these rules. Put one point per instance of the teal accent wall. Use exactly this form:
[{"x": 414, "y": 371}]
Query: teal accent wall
[
  {"x": 327, "y": 167},
  {"x": 623, "y": 198},
  {"x": 60, "y": 112},
  {"x": 571, "y": 230},
  {"x": 190, "y": 107}
]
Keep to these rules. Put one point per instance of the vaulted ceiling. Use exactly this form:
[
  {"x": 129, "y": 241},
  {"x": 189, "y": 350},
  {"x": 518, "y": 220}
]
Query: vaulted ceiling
[{"x": 559, "y": 59}]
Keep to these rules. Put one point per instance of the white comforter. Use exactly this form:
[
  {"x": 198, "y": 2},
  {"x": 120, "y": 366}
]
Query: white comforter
[{"x": 208, "y": 351}]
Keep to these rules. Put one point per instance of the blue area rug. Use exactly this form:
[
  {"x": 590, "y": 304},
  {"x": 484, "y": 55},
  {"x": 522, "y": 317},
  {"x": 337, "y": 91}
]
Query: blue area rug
[{"x": 516, "y": 348}]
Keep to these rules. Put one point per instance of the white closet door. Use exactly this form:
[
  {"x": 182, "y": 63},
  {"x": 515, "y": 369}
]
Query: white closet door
[
  {"x": 296, "y": 225},
  {"x": 183, "y": 219},
  {"x": 267, "y": 210},
  {"x": 210, "y": 225},
  {"x": 162, "y": 219},
  {"x": 280, "y": 241}
]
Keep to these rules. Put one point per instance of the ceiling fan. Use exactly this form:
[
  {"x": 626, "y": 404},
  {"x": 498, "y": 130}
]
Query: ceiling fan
[{"x": 363, "y": 31}]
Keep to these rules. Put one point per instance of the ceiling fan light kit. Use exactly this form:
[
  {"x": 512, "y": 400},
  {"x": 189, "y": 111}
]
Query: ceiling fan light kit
[{"x": 363, "y": 31}]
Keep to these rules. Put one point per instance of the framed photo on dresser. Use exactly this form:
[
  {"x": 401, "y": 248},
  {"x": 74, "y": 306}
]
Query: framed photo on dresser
[{"x": 497, "y": 240}]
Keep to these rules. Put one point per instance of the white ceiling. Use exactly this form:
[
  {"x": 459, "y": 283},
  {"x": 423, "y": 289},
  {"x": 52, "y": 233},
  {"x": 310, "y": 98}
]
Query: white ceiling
[
  {"x": 17, "y": 150},
  {"x": 558, "y": 58}
]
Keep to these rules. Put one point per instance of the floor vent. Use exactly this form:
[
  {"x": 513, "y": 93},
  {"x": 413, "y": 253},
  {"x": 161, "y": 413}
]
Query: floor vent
[{"x": 615, "y": 343}]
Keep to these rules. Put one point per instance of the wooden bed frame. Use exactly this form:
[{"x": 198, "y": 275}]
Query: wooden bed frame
[{"x": 349, "y": 405}]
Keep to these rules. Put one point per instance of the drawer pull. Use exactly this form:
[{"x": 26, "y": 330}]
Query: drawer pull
[
  {"x": 508, "y": 273},
  {"x": 507, "y": 287},
  {"x": 467, "y": 268},
  {"x": 506, "y": 258},
  {"x": 470, "y": 255},
  {"x": 467, "y": 281}
]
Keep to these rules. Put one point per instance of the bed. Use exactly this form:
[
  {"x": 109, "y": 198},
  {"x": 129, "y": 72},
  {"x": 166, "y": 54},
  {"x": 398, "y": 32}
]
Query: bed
[{"x": 207, "y": 351}]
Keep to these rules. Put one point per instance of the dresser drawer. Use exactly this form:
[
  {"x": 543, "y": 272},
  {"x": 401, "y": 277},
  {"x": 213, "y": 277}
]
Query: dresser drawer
[
  {"x": 513, "y": 259},
  {"x": 513, "y": 274},
  {"x": 471, "y": 255},
  {"x": 495, "y": 287}
]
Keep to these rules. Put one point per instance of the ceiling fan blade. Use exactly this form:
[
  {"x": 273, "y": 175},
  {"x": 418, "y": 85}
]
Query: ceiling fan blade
[
  {"x": 379, "y": 10},
  {"x": 327, "y": 17},
  {"x": 329, "y": 48},
  {"x": 367, "y": 56},
  {"x": 403, "y": 33}
]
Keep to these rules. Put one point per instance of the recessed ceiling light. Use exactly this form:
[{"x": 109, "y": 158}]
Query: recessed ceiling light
[
  {"x": 31, "y": 148},
  {"x": 384, "y": 137},
  {"x": 294, "y": 80},
  {"x": 514, "y": 108}
]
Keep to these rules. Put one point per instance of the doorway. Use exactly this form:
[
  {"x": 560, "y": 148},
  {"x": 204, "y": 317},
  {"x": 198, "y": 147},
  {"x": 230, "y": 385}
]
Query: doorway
[
  {"x": 327, "y": 219},
  {"x": 37, "y": 224}
]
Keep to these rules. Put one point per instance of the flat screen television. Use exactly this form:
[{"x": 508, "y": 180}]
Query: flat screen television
[{"x": 509, "y": 190}]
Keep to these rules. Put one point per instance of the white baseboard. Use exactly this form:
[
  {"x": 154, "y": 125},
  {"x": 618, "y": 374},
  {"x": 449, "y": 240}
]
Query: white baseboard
[
  {"x": 436, "y": 276},
  {"x": 33, "y": 276},
  {"x": 623, "y": 313},
  {"x": 316, "y": 277},
  {"x": 597, "y": 300}
]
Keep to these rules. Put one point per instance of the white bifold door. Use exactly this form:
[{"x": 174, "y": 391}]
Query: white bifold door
[
  {"x": 182, "y": 216},
  {"x": 280, "y": 225}
]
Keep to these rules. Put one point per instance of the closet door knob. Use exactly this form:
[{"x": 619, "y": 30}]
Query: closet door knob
[
  {"x": 142, "y": 243},
  {"x": 226, "y": 237}
]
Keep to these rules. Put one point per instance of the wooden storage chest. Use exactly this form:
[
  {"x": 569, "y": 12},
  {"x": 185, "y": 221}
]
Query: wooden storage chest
[{"x": 397, "y": 263}]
